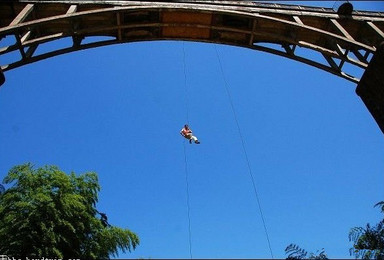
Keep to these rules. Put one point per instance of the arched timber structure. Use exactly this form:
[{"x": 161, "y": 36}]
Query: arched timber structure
[{"x": 353, "y": 39}]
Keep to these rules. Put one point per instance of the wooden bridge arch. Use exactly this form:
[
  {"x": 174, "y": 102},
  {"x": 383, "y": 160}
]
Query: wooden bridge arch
[{"x": 341, "y": 36}]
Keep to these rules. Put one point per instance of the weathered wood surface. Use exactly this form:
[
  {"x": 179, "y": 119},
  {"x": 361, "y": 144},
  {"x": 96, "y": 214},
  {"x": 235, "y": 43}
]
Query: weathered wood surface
[
  {"x": 341, "y": 39},
  {"x": 279, "y": 29}
]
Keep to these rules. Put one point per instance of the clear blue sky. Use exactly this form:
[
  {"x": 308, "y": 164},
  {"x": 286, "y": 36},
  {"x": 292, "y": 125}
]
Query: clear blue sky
[{"x": 315, "y": 151}]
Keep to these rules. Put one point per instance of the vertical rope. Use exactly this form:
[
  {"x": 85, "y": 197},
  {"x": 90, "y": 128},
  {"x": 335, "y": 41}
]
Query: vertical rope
[
  {"x": 185, "y": 157},
  {"x": 245, "y": 152},
  {"x": 188, "y": 204},
  {"x": 186, "y": 85}
]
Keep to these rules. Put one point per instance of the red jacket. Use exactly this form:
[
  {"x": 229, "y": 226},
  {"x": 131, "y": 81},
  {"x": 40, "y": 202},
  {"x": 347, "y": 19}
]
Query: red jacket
[{"x": 185, "y": 132}]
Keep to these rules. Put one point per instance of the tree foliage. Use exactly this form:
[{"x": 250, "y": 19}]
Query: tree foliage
[
  {"x": 296, "y": 252},
  {"x": 47, "y": 213},
  {"x": 368, "y": 242}
]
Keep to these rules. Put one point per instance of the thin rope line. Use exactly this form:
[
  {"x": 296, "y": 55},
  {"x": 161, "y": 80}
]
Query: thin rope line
[
  {"x": 245, "y": 151},
  {"x": 188, "y": 205},
  {"x": 186, "y": 85},
  {"x": 185, "y": 157}
]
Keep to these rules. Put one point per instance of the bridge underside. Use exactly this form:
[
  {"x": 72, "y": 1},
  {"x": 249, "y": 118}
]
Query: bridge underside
[{"x": 283, "y": 30}]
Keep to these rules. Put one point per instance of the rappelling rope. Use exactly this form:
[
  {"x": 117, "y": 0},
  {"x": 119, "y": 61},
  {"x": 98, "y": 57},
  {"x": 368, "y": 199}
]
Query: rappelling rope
[
  {"x": 245, "y": 151},
  {"x": 186, "y": 85},
  {"x": 185, "y": 158},
  {"x": 188, "y": 205}
]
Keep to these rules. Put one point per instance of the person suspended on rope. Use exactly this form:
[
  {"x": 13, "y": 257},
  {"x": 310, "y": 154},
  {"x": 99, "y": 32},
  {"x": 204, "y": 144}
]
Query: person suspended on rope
[{"x": 187, "y": 133}]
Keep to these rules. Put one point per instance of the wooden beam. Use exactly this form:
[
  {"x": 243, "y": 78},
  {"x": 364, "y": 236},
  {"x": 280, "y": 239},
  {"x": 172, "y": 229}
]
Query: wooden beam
[
  {"x": 22, "y": 15},
  {"x": 298, "y": 20},
  {"x": 366, "y": 55},
  {"x": 318, "y": 48},
  {"x": 376, "y": 29},
  {"x": 340, "y": 50},
  {"x": 25, "y": 37},
  {"x": 360, "y": 64},
  {"x": 31, "y": 50},
  {"x": 252, "y": 33},
  {"x": 72, "y": 9},
  {"x": 341, "y": 29},
  {"x": 362, "y": 58},
  {"x": 7, "y": 49},
  {"x": 332, "y": 62},
  {"x": 45, "y": 38},
  {"x": 118, "y": 18},
  {"x": 290, "y": 50}
]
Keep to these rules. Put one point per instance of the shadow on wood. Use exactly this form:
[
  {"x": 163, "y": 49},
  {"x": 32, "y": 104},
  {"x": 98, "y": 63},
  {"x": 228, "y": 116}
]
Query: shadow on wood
[
  {"x": 371, "y": 86},
  {"x": 2, "y": 78}
]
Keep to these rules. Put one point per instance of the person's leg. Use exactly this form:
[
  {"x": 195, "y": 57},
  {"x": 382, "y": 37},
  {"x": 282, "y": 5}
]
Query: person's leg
[
  {"x": 189, "y": 137},
  {"x": 194, "y": 138}
]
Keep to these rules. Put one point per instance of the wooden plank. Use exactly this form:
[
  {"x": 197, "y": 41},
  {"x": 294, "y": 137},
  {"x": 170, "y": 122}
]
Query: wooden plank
[
  {"x": 25, "y": 37},
  {"x": 289, "y": 50},
  {"x": 308, "y": 62},
  {"x": 376, "y": 29},
  {"x": 318, "y": 48},
  {"x": 7, "y": 49},
  {"x": 333, "y": 53},
  {"x": 298, "y": 20},
  {"x": 360, "y": 64},
  {"x": 331, "y": 62},
  {"x": 341, "y": 29},
  {"x": 45, "y": 38},
  {"x": 119, "y": 34},
  {"x": 22, "y": 15},
  {"x": 72, "y": 9},
  {"x": 340, "y": 50},
  {"x": 253, "y": 29},
  {"x": 31, "y": 50},
  {"x": 4, "y": 67},
  {"x": 359, "y": 55}
]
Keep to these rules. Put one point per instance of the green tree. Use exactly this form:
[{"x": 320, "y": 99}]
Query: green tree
[
  {"x": 368, "y": 242},
  {"x": 296, "y": 252},
  {"x": 47, "y": 213}
]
